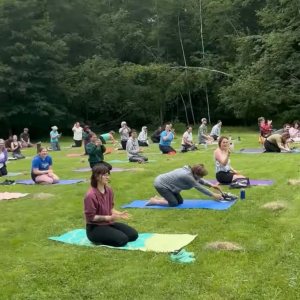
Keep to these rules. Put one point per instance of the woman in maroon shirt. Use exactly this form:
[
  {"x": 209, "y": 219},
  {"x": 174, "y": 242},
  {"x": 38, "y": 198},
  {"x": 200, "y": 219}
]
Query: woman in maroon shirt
[{"x": 100, "y": 214}]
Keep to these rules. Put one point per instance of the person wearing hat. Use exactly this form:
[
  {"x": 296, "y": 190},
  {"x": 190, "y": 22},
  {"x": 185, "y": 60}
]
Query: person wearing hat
[
  {"x": 203, "y": 137},
  {"x": 108, "y": 136},
  {"x": 142, "y": 138},
  {"x": 54, "y": 136},
  {"x": 25, "y": 138},
  {"x": 124, "y": 131},
  {"x": 3, "y": 158}
]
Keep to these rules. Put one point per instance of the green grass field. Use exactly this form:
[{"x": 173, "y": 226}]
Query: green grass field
[{"x": 35, "y": 268}]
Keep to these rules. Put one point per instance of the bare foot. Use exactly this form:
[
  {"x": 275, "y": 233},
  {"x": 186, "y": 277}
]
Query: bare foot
[{"x": 151, "y": 202}]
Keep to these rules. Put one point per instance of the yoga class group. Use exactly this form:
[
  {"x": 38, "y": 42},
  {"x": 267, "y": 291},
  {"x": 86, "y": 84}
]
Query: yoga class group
[{"x": 102, "y": 226}]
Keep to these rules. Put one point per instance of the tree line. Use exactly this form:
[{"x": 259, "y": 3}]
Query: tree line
[{"x": 147, "y": 62}]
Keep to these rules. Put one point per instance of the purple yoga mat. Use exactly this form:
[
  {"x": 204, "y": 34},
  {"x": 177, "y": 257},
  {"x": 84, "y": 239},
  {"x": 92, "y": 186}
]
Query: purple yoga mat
[
  {"x": 89, "y": 169},
  {"x": 61, "y": 182},
  {"x": 252, "y": 182},
  {"x": 252, "y": 150}
]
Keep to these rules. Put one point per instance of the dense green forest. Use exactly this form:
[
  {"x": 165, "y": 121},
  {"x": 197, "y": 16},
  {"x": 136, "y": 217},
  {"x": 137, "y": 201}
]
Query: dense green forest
[{"x": 147, "y": 62}]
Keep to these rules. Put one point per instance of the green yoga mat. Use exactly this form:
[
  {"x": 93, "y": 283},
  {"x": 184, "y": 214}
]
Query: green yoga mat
[{"x": 146, "y": 242}]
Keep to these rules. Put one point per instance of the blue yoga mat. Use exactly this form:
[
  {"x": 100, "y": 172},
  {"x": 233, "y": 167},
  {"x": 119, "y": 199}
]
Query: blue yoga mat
[
  {"x": 117, "y": 161},
  {"x": 205, "y": 204},
  {"x": 61, "y": 182}
]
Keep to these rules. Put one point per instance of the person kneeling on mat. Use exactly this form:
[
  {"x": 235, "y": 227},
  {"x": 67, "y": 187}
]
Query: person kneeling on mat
[
  {"x": 41, "y": 170},
  {"x": 3, "y": 158},
  {"x": 277, "y": 142},
  {"x": 100, "y": 215},
  {"x": 96, "y": 151},
  {"x": 133, "y": 149},
  {"x": 166, "y": 138},
  {"x": 169, "y": 185},
  {"x": 143, "y": 137},
  {"x": 224, "y": 173}
]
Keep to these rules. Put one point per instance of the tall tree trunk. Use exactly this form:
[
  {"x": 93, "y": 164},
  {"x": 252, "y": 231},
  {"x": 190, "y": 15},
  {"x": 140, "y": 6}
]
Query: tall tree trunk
[
  {"x": 186, "y": 114},
  {"x": 183, "y": 54},
  {"x": 203, "y": 53}
]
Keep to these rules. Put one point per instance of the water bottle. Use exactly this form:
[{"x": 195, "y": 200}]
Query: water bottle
[
  {"x": 243, "y": 194},
  {"x": 230, "y": 138},
  {"x": 231, "y": 146},
  {"x": 239, "y": 139}
]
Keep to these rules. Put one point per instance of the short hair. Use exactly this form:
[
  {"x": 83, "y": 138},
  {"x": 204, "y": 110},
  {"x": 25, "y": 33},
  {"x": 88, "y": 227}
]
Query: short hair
[
  {"x": 99, "y": 169},
  {"x": 41, "y": 149},
  {"x": 286, "y": 124},
  {"x": 132, "y": 131},
  {"x": 221, "y": 140},
  {"x": 92, "y": 134},
  {"x": 219, "y": 121},
  {"x": 199, "y": 170}
]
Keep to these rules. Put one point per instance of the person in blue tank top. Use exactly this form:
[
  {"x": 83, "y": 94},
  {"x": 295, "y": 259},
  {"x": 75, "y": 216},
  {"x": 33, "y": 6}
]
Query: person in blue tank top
[{"x": 166, "y": 138}]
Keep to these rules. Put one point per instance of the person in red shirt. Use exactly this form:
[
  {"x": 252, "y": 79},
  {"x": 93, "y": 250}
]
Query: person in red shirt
[
  {"x": 265, "y": 129},
  {"x": 100, "y": 215}
]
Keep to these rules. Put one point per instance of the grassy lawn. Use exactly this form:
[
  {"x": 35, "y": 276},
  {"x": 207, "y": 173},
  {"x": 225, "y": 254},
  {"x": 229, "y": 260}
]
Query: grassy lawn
[{"x": 35, "y": 268}]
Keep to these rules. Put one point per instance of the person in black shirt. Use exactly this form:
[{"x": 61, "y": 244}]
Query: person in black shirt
[{"x": 25, "y": 139}]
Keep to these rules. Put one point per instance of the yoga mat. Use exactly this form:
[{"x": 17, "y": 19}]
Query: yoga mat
[
  {"x": 205, "y": 204},
  {"x": 8, "y": 196},
  {"x": 74, "y": 154},
  {"x": 146, "y": 241},
  {"x": 10, "y": 174},
  {"x": 117, "y": 161},
  {"x": 251, "y": 150},
  {"x": 89, "y": 169},
  {"x": 252, "y": 182},
  {"x": 61, "y": 182}
]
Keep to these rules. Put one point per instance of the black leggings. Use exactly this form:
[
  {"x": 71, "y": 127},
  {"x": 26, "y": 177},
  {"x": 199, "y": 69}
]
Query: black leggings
[
  {"x": 143, "y": 144},
  {"x": 117, "y": 235},
  {"x": 270, "y": 147},
  {"x": 103, "y": 163},
  {"x": 3, "y": 171},
  {"x": 174, "y": 199},
  {"x": 137, "y": 158},
  {"x": 124, "y": 143},
  {"x": 166, "y": 149},
  {"x": 155, "y": 139},
  {"x": 77, "y": 144}
]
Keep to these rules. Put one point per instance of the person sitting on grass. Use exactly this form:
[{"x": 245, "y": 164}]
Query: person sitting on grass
[
  {"x": 16, "y": 148},
  {"x": 108, "y": 136},
  {"x": 96, "y": 150},
  {"x": 142, "y": 138},
  {"x": 286, "y": 128},
  {"x": 187, "y": 141},
  {"x": 155, "y": 138},
  {"x": 77, "y": 135},
  {"x": 224, "y": 173},
  {"x": 166, "y": 138},
  {"x": 54, "y": 136},
  {"x": 3, "y": 158},
  {"x": 133, "y": 149},
  {"x": 216, "y": 131},
  {"x": 295, "y": 132},
  {"x": 8, "y": 143},
  {"x": 41, "y": 170},
  {"x": 277, "y": 142},
  {"x": 25, "y": 139},
  {"x": 169, "y": 185},
  {"x": 203, "y": 137},
  {"x": 100, "y": 215}
]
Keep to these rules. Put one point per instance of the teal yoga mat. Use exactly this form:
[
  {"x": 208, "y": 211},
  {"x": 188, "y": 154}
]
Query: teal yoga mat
[{"x": 145, "y": 242}]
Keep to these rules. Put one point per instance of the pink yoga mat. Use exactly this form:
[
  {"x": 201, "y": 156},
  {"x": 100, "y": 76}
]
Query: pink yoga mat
[{"x": 74, "y": 154}]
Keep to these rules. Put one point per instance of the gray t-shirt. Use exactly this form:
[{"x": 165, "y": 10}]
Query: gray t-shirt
[{"x": 202, "y": 130}]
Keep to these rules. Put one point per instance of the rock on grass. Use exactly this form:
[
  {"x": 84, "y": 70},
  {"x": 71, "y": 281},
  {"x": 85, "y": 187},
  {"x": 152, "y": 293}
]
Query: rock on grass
[
  {"x": 43, "y": 196},
  {"x": 228, "y": 246},
  {"x": 275, "y": 206}
]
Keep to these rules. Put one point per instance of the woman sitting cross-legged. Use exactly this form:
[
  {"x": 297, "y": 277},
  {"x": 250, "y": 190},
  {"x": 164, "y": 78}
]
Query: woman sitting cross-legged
[
  {"x": 155, "y": 137},
  {"x": 166, "y": 138},
  {"x": 100, "y": 215},
  {"x": 16, "y": 148},
  {"x": 96, "y": 151},
  {"x": 187, "y": 141},
  {"x": 224, "y": 173},
  {"x": 169, "y": 185},
  {"x": 41, "y": 170},
  {"x": 277, "y": 142},
  {"x": 133, "y": 149},
  {"x": 142, "y": 138},
  {"x": 3, "y": 158}
]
